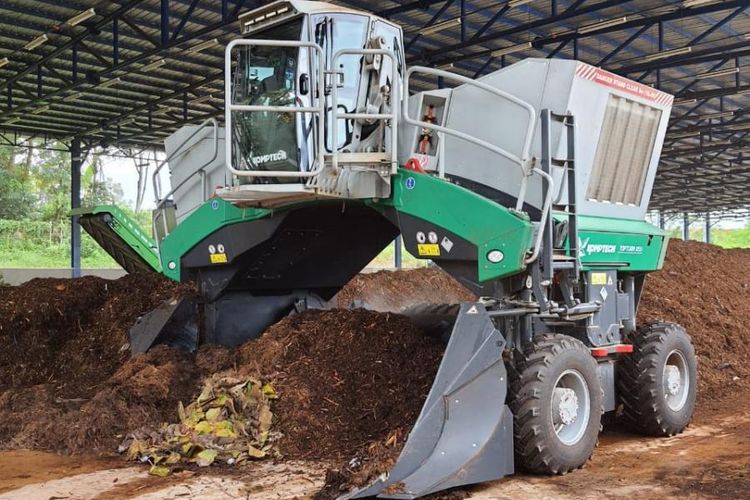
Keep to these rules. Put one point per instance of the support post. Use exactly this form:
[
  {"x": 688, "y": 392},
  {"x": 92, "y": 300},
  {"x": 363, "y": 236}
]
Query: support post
[
  {"x": 685, "y": 227},
  {"x": 397, "y": 253},
  {"x": 75, "y": 202},
  {"x": 662, "y": 222},
  {"x": 707, "y": 236}
]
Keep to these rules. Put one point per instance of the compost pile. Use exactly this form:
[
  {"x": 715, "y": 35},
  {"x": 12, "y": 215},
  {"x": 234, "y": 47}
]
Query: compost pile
[
  {"x": 342, "y": 383},
  {"x": 397, "y": 290},
  {"x": 66, "y": 380},
  {"x": 72, "y": 334},
  {"x": 705, "y": 288},
  {"x": 344, "y": 378}
]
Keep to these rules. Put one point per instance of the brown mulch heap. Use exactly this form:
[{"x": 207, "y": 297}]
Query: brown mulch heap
[
  {"x": 72, "y": 333},
  {"x": 66, "y": 380},
  {"x": 345, "y": 378},
  {"x": 144, "y": 391},
  {"x": 705, "y": 289},
  {"x": 397, "y": 290}
]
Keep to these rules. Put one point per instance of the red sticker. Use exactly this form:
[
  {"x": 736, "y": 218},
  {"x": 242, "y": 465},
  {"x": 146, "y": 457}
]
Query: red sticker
[{"x": 602, "y": 77}]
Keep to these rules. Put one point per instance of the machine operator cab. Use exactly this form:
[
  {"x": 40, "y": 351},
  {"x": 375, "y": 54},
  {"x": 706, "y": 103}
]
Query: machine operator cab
[{"x": 311, "y": 103}]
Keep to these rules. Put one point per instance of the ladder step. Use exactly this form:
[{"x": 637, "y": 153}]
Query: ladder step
[{"x": 563, "y": 265}]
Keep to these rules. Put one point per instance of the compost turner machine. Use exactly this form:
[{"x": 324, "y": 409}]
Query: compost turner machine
[{"x": 529, "y": 186}]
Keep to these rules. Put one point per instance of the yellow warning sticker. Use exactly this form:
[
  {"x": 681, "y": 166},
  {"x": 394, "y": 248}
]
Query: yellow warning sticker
[
  {"x": 428, "y": 250},
  {"x": 598, "y": 278},
  {"x": 218, "y": 258}
]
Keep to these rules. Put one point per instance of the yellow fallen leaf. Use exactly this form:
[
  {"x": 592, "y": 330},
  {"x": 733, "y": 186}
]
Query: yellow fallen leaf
[
  {"x": 203, "y": 427},
  {"x": 190, "y": 449},
  {"x": 255, "y": 452},
  {"x": 269, "y": 391},
  {"x": 181, "y": 412},
  {"x": 205, "y": 458},
  {"x": 135, "y": 449},
  {"x": 213, "y": 414},
  {"x": 159, "y": 471}
]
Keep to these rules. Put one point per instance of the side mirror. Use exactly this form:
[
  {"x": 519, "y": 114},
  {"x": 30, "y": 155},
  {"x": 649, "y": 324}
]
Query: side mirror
[{"x": 304, "y": 84}]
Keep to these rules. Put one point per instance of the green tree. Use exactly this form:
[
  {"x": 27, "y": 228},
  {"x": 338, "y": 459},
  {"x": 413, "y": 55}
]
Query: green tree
[{"x": 17, "y": 197}]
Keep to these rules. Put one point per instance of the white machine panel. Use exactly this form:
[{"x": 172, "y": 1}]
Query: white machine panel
[
  {"x": 620, "y": 127},
  {"x": 195, "y": 155}
]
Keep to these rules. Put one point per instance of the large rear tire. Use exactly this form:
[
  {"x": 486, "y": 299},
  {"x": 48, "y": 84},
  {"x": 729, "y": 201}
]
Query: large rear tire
[
  {"x": 657, "y": 383},
  {"x": 556, "y": 399}
]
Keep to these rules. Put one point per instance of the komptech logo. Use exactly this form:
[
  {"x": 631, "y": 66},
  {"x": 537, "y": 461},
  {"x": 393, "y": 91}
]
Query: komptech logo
[
  {"x": 278, "y": 156},
  {"x": 585, "y": 247}
]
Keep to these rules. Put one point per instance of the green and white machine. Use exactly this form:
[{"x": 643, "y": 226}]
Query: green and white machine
[{"x": 529, "y": 186}]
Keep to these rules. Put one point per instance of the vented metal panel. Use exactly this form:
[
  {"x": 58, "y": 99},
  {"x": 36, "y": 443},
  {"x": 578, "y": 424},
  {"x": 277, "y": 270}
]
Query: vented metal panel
[{"x": 624, "y": 152}]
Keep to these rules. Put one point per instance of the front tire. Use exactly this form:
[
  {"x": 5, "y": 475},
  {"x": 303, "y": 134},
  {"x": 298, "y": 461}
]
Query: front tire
[
  {"x": 657, "y": 383},
  {"x": 556, "y": 399}
]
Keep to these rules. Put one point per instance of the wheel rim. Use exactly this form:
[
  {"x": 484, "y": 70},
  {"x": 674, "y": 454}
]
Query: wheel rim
[
  {"x": 571, "y": 407},
  {"x": 675, "y": 380}
]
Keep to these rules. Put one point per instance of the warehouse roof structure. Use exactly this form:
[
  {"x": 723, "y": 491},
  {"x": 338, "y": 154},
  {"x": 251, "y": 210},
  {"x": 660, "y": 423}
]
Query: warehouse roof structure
[{"x": 130, "y": 72}]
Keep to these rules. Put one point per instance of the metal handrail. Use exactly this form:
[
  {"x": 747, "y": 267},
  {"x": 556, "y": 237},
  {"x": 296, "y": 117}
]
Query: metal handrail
[
  {"x": 160, "y": 202},
  {"x": 520, "y": 161},
  {"x": 230, "y": 107},
  {"x": 155, "y": 177},
  {"x": 545, "y": 213},
  {"x": 393, "y": 116}
]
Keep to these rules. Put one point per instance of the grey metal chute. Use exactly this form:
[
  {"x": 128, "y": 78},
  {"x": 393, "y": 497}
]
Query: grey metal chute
[{"x": 452, "y": 443}]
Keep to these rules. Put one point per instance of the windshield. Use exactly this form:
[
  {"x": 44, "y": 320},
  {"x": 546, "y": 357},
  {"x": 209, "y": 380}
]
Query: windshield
[
  {"x": 266, "y": 76},
  {"x": 334, "y": 32}
]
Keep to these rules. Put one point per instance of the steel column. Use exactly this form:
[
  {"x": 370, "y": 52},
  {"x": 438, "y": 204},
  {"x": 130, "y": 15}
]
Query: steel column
[
  {"x": 75, "y": 202},
  {"x": 397, "y": 260},
  {"x": 685, "y": 227},
  {"x": 707, "y": 236}
]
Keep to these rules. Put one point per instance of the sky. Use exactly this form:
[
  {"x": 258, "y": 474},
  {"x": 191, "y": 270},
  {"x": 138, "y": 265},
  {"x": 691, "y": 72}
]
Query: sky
[{"x": 123, "y": 172}]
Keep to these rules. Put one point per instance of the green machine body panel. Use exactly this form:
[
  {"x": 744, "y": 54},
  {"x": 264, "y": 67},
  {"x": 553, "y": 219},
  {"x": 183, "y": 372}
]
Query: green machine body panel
[
  {"x": 121, "y": 237},
  {"x": 484, "y": 224},
  {"x": 622, "y": 244},
  {"x": 206, "y": 220}
]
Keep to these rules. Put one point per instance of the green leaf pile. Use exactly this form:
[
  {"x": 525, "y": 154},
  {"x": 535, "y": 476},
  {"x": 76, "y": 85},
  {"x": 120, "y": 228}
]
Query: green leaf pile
[{"x": 230, "y": 422}]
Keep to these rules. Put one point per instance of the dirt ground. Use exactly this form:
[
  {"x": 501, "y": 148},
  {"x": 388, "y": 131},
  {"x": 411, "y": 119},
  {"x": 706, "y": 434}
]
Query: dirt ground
[{"x": 709, "y": 460}]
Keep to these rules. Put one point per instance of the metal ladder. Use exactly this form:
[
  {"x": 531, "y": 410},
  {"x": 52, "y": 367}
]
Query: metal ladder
[{"x": 572, "y": 259}]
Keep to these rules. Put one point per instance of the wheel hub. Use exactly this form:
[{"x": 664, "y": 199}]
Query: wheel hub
[
  {"x": 565, "y": 405},
  {"x": 672, "y": 374},
  {"x": 675, "y": 380}
]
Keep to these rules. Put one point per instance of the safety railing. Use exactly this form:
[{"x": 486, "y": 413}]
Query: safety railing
[
  {"x": 156, "y": 179},
  {"x": 230, "y": 107},
  {"x": 384, "y": 117},
  {"x": 522, "y": 161}
]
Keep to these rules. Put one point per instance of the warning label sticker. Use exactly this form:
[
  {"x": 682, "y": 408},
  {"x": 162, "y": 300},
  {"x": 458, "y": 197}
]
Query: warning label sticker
[
  {"x": 218, "y": 258},
  {"x": 611, "y": 80},
  {"x": 428, "y": 250},
  {"x": 598, "y": 278}
]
